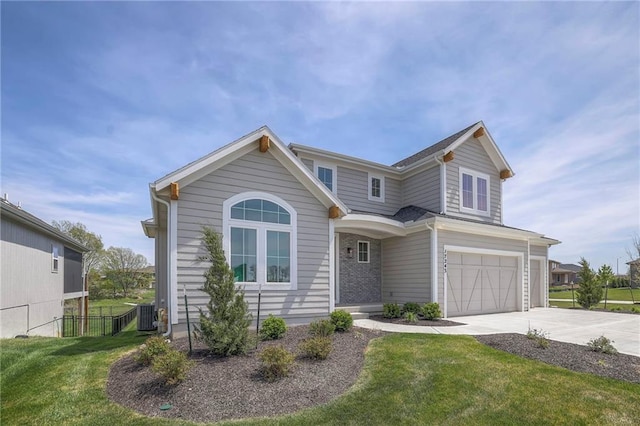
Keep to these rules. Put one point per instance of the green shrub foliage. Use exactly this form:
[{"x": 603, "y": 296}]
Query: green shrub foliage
[
  {"x": 590, "y": 292},
  {"x": 276, "y": 362},
  {"x": 431, "y": 311},
  {"x": 342, "y": 320},
  {"x": 172, "y": 366},
  {"x": 322, "y": 328},
  {"x": 411, "y": 317},
  {"x": 272, "y": 328},
  {"x": 411, "y": 307},
  {"x": 316, "y": 347},
  {"x": 391, "y": 310},
  {"x": 151, "y": 348},
  {"x": 225, "y": 327},
  {"x": 602, "y": 344}
]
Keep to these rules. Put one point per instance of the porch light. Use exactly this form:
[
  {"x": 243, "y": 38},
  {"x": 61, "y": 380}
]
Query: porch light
[{"x": 349, "y": 252}]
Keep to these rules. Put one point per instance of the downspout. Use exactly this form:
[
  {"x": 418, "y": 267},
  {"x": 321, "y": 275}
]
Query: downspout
[
  {"x": 168, "y": 307},
  {"x": 443, "y": 181}
]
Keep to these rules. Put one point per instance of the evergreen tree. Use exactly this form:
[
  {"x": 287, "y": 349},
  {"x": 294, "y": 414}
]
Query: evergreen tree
[
  {"x": 225, "y": 328},
  {"x": 590, "y": 292}
]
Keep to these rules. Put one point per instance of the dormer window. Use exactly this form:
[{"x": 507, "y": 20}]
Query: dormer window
[{"x": 474, "y": 192}]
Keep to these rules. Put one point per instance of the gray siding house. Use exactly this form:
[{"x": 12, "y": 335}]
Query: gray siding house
[
  {"x": 314, "y": 230},
  {"x": 40, "y": 268}
]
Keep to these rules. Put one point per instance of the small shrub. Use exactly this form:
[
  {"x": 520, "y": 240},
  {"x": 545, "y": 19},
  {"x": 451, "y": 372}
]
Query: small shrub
[
  {"x": 635, "y": 310},
  {"x": 541, "y": 337},
  {"x": 151, "y": 348},
  {"x": 431, "y": 311},
  {"x": 411, "y": 317},
  {"x": 616, "y": 308},
  {"x": 272, "y": 328},
  {"x": 276, "y": 362},
  {"x": 342, "y": 320},
  {"x": 411, "y": 307},
  {"x": 391, "y": 310},
  {"x": 172, "y": 366},
  {"x": 322, "y": 328},
  {"x": 602, "y": 344},
  {"x": 315, "y": 347}
]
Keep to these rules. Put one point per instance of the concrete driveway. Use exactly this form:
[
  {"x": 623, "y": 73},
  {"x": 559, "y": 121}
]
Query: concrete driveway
[{"x": 565, "y": 325}]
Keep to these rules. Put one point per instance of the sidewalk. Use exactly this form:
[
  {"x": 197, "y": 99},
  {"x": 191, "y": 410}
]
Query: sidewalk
[{"x": 617, "y": 302}]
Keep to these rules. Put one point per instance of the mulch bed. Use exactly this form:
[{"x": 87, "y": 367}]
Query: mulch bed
[
  {"x": 421, "y": 321},
  {"x": 231, "y": 388}
]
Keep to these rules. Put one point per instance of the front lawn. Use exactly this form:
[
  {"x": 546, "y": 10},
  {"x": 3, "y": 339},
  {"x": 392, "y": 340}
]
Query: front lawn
[
  {"x": 613, "y": 294},
  {"x": 610, "y": 306},
  {"x": 407, "y": 379}
]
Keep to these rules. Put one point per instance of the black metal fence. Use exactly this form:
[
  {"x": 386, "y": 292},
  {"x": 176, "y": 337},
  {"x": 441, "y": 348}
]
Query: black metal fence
[{"x": 95, "y": 325}]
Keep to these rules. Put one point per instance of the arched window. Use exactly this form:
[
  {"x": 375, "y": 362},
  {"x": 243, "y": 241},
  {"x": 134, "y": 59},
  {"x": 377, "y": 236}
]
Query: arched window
[{"x": 260, "y": 240}]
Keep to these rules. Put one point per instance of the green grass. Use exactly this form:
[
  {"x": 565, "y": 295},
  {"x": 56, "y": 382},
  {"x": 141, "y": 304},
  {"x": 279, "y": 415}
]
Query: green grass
[
  {"x": 118, "y": 306},
  {"x": 407, "y": 379},
  {"x": 613, "y": 294},
  {"x": 610, "y": 306}
]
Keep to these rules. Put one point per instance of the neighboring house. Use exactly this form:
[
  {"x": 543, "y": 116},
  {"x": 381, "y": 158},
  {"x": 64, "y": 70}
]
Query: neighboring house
[
  {"x": 315, "y": 230},
  {"x": 634, "y": 273},
  {"x": 563, "y": 273},
  {"x": 41, "y": 267}
]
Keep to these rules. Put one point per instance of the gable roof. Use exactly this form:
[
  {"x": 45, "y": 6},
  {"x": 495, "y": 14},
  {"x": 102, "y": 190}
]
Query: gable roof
[
  {"x": 27, "y": 219},
  {"x": 438, "y": 146},
  {"x": 452, "y": 142},
  {"x": 236, "y": 149}
]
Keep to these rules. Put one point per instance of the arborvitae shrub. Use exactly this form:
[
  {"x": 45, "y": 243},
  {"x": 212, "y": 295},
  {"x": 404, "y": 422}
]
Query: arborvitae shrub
[
  {"x": 272, "y": 328},
  {"x": 225, "y": 327},
  {"x": 322, "y": 328},
  {"x": 342, "y": 320}
]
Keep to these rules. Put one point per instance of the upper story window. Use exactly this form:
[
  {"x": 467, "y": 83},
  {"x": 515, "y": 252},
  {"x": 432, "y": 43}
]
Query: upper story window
[
  {"x": 376, "y": 188},
  {"x": 260, "y": 240},
  {"x": 327, "y": 175},
  {"x": 474, "y": 192},
  {"x": 54, "y": 257}
]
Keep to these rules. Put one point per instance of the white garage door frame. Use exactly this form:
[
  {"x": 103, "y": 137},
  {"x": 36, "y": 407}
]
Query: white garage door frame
[
  {"x": 544, "y": 280},
  {"x": 475, "y": 250}
]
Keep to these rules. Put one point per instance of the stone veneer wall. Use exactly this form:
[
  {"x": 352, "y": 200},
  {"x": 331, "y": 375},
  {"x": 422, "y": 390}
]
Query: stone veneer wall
[{"x": 360, "y": 282}]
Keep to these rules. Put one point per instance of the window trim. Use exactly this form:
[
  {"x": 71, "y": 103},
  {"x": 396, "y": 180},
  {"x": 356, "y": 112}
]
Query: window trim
[
  {"x": 261, "y": 237},
  {"x": 334, "y": 174},
  {"x": 371, "y": 197},
  {"x": 55, "y": 258},
  {"x": 475, "y": 175},
  {"x": 368, "y": 245}
]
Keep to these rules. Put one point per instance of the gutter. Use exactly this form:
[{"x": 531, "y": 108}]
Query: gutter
[{"x": 168, "y": 307}]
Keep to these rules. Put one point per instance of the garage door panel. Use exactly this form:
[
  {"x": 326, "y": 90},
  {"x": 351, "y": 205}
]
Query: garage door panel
[
  {"x": 479, "y": 284},
  {"x": 535, "y": 285}
]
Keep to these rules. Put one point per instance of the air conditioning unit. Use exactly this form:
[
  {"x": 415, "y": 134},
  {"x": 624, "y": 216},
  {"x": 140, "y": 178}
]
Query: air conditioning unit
[{"x": 145, "y": 317}]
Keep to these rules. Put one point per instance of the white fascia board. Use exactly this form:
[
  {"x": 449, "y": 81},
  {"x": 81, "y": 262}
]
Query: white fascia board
[
  {"x": 484, "y": 229},
  {"x": 341, "y": 159}
]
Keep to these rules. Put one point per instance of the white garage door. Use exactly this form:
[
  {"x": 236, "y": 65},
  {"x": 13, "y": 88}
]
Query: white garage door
[{"x": 481, "y": 284}]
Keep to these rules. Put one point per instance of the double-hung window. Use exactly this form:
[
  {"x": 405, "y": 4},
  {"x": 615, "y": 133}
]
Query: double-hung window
[
  {"x": 363, "y": 251},
  {"x": 327, "y": 175},
  {"x": 260, "y": 240},
  {"x": 376, "y": 188},
  {"x": 54, "y": 257},
  {"x": 474, "y": 192}
]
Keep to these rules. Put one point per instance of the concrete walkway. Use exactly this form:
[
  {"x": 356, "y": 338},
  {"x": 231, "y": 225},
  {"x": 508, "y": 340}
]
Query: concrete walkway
[{"x": 564, "y": 325}]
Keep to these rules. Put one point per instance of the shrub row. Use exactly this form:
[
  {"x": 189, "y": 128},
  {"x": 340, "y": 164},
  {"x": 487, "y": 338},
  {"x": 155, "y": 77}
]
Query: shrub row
[
  {"x": 411, "y": 311},
  {"x": 169, "y": 363}
]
